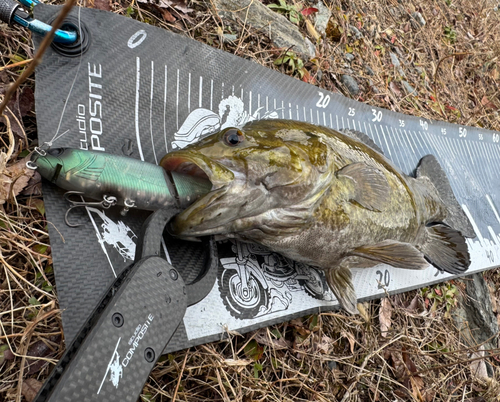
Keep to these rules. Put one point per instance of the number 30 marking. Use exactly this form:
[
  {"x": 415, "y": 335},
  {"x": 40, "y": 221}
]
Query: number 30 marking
[{"x": 377, "y": 116}]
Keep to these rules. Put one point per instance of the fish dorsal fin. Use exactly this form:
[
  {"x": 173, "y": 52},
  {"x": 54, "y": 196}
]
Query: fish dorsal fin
[
  {"x": 446, "y": 249},
  {"x": 340, "y": 281},
  {"x": 362, "y": 137},
  {"x": 391, "y": 252},
  {"x": 369, "y": 186}
]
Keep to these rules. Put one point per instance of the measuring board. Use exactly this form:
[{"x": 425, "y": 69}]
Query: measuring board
[{"x": 142, "y": 91}]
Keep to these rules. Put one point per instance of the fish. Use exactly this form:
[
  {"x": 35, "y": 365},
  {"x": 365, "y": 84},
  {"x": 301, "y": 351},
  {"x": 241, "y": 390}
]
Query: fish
[{"x": 323, "y": 197}]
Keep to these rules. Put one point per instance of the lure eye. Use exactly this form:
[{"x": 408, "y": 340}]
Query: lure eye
[{"x": 233, "y": 137}]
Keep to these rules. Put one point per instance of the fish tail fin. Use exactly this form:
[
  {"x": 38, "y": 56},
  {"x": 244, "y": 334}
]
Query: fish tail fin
[
  {"x": 340, "y": 281},
  {"x": 446, "y": 249},
  {"x": 456, "y": 219}
]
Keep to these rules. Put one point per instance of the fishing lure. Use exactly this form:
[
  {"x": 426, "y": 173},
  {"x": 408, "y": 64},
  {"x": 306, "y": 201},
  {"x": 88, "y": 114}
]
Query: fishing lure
[{"x": 116, "y": 180}]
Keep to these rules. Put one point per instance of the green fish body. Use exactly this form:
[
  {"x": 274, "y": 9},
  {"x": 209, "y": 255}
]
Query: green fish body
[{"x": 322, "y": 197}]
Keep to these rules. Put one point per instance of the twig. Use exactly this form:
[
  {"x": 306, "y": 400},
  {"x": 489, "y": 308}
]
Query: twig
[
  {"x": 180, "y": 376},
  {"x": 38, "y": 57}
]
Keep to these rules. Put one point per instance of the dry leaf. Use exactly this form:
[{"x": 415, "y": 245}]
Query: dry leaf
[
  {"x": 487, "y": 103},
  {"x": 263, "y": 338},
  {"x": 323, "y": 345},
  {"x": 312, "y": 31},
  {"x": 395, "y": 88},
  {"x": 30, "y": 388},
  {"x": 13, "y": 178},
  {"x": 350, "y": 338},
  {"x": 102, "y": 5},
  {"x": 385, "y": 316}
]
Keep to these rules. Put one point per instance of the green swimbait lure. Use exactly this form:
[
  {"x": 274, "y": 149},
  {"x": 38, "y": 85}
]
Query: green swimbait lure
[{"x": 118, "y": 180}]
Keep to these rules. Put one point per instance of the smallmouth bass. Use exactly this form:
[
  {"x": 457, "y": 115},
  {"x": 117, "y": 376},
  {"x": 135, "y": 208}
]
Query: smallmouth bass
[{"x": 328, "y": 199}]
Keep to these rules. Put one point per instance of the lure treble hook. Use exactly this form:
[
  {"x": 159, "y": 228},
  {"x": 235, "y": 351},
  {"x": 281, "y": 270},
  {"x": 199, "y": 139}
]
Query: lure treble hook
[{"x": 106, "y": 203}]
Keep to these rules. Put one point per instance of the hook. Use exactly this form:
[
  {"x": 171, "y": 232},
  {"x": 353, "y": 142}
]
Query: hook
[{"x": 107, "y": 202}]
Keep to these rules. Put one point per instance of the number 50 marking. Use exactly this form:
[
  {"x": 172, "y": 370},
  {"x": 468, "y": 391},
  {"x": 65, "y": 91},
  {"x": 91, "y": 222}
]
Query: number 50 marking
[{"x": 323, "y": 100}]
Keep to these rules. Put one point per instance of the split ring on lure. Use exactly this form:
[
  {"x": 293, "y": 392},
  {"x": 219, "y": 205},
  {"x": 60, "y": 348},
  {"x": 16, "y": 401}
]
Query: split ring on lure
[{"x": 116, "y": 180}]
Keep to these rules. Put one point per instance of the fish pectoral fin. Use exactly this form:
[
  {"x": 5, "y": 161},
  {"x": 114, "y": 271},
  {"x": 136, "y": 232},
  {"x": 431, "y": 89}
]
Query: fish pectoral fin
[
  {"x": 369, "y": 186},
  {"x": 340, "y": 281},
  {"x": 391, "y": 252},
  {"x": 446, "y": 249}
]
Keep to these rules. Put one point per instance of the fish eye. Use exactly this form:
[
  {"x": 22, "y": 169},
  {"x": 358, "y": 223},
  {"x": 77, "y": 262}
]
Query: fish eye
[{"x": 233, "y": 137}]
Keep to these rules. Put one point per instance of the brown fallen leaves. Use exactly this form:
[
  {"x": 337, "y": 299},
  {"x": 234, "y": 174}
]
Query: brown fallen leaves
[
  {"x": 13, "y": 178},
  {"x": 405, "y": 372}
]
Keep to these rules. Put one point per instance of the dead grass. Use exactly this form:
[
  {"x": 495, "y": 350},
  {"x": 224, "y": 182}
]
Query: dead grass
[{"x": 453, "y": 64}]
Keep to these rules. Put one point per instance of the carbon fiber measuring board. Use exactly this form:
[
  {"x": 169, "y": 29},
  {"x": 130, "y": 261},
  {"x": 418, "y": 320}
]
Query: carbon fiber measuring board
[{"x": 142, "y": 91}]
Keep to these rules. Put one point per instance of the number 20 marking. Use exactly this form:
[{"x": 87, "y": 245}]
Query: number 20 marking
[
  {"x": 384, "y": 279},
  {"x": 323, "y": 100}
]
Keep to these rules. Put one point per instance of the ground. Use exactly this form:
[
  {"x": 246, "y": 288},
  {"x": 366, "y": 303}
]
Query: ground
[{"x": 403, "y": 348}]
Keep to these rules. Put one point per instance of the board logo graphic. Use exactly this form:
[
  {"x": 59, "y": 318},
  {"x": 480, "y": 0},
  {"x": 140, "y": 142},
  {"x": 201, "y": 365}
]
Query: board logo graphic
[
  {"x": 254, "y": 281},
  {"x": 202, "y": 122}
]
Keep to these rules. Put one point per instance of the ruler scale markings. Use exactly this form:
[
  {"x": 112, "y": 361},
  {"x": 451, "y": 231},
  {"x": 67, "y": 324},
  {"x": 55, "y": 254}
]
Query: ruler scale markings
[
  {"x": 348, "y": 125},
  {"x": 424, "y": 152},
  {"x": 290, "y": 111},
  {"x": 249, "y": 101},
  {"x": 317, "y": 117},
  {"x": 177, "y": 102},
  {"x": 491, "y": 148},
  {"x": 481, "y": 158},
  {"x": 416, "y": 156},
  {"x": 494, "y": 236},
  {"x": 137, "y": 86},
  {"x": 380, "y": 144},
  {"x": 189, "y": 93},
  {"x": 354, "y": 124},
  {"x": 165, "y": 109},
  {"x": 298, "y": 115},
  {"x": 359, "y": 124},
  {"x": 151, "y": 110},
  {"x": 242, "y": 94},
  {"x": 312, "y": 118},
  {"x": 397, "y": 150},
  {"x": 324, "y": 119},
  {"x": 305, "y": 114},
  {"x": 492, "y": 157},
  {"x": 267, "y": 103},
  {"x": 200, "y": 93},
  {"x": 282, "y": 109},
  {"x": 385, "y": 139},
  {"x": 366, "y": 130},
  {"x": 337, "y": 118},
  {"x": 258, "y": 105},
  {"x": 469, "y": 151},
  {"x": 343, "y": 125},
  {"x": 473, "y": 223},
  {"x": 418, "y": 153},
  {"x": 490, "y": 201},
  {"x": 331, "y": 122},
  {"x": 408, "y": 159},
  {"x": 211, "y": 94}
]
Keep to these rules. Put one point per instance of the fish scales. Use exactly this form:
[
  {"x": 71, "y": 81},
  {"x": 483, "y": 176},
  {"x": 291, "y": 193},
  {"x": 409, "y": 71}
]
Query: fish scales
[{"x": 322, "y": 197}]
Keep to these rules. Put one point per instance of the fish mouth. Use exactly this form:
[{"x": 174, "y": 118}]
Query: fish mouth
[
  {"x": 195, "y": 220},
  {"x": 198, "y": 166}
]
